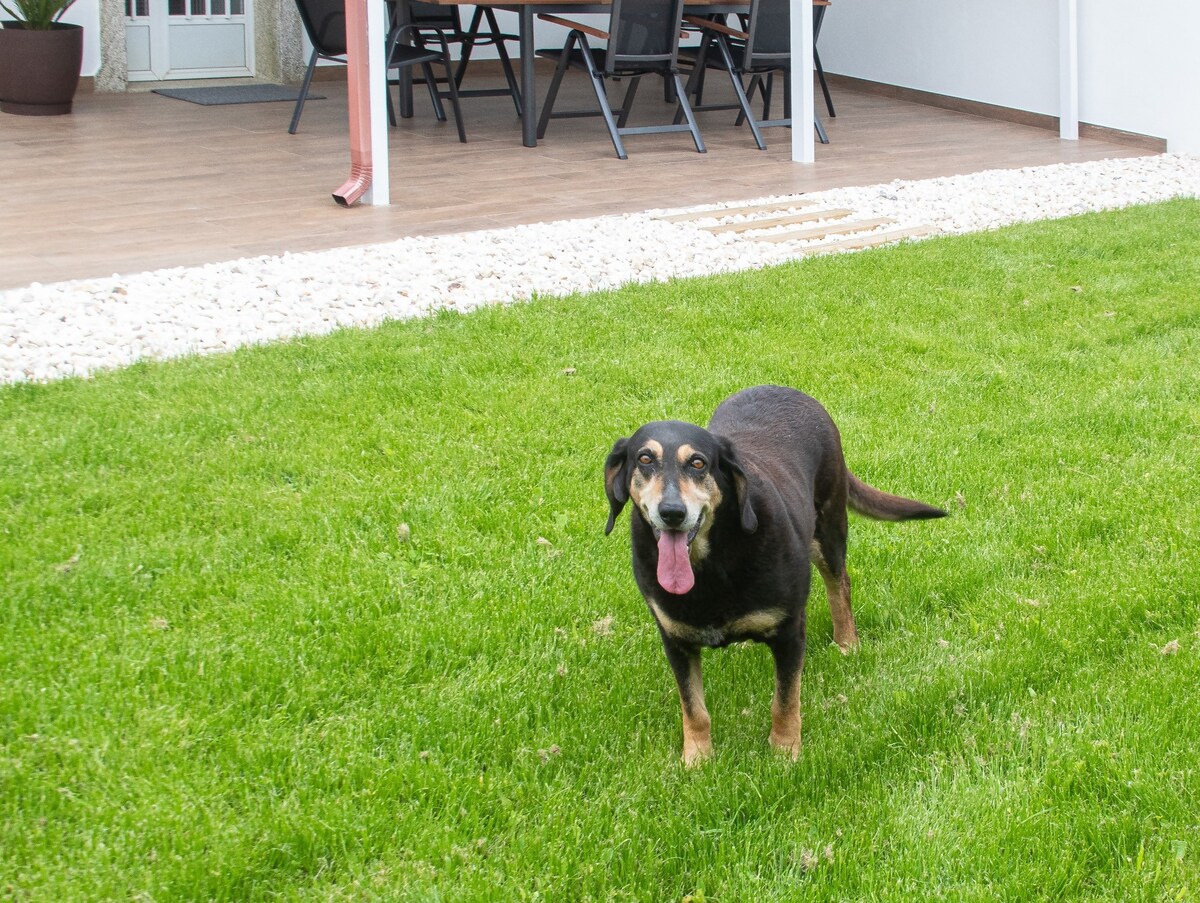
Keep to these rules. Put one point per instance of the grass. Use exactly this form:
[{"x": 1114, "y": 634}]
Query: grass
[{"x": 228, "y": 672}]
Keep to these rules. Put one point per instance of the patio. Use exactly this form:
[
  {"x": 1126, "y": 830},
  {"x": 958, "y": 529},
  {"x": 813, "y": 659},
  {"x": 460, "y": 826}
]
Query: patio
[{"x": 131, "y": 182}]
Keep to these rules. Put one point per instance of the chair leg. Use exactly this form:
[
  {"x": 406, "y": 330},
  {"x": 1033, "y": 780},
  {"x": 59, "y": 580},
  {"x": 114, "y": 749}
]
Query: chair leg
[
  {"x": 818, "y": 20},
  {"x": 458, "y": 116},
  {"x": 613, "y": 131},
  {"x": 688, "y": 114},
  {"x": 308, "y": 75},
  {"x": 563, "y": 62},
  {"x": 627, "y": 104},
  {"x": 597, "y": 79},
  {"x": 505, "y": 64},
  {"x": 468, "y": 45},
  {"x": 824, "y": 84},
  {"x": 431, "y": 83},
  {"x": 696, "y": 79},
  {"x": 743, "y": 100},
  {"x": 755, "y": 85},
  {"x": 403, "y": 83}
]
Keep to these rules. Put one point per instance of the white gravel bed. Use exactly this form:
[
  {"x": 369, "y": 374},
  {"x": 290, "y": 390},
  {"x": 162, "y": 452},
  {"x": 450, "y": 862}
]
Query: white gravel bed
[{"x": 76, "y": 328}]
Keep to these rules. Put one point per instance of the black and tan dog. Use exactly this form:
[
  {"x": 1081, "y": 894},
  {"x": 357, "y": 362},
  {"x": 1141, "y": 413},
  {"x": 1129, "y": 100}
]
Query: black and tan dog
[{"x": 728, "y": 521}]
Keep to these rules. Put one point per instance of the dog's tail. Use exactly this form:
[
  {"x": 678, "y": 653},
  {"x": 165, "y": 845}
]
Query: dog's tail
[{"x": 872, "y": 502}]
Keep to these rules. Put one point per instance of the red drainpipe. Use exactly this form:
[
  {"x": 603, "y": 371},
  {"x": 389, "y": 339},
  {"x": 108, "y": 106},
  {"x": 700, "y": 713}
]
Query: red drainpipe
[{"x": 358, "y": 77}]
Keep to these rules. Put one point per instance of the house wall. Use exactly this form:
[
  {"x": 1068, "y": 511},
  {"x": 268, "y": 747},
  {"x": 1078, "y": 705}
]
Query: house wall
[{"x": 1138, "y": 68}]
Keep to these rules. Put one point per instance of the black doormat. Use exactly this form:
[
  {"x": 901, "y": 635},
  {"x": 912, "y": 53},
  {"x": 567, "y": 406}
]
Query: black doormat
[{"x": 235, "y": 94}]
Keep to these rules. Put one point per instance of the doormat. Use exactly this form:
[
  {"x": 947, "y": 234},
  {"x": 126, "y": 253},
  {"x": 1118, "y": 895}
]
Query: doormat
[{"x": 230, "y": 94}]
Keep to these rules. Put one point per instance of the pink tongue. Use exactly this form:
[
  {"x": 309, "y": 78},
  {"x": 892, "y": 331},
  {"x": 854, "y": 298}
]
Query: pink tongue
[{"x": 674, "y": 567}]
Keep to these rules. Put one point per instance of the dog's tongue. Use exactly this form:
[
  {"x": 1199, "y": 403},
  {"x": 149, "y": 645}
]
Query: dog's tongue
[{"x": 674, "y": 566}]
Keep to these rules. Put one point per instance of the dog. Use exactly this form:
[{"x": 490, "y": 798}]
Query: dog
[{"x": 726, "y": 524}]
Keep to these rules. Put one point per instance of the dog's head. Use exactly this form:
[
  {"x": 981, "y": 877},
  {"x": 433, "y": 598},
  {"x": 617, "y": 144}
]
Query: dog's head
[{"x": 678, "y": 476}]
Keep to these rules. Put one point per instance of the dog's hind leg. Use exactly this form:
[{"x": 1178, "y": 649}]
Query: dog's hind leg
[
  {"x": 697, "y": 726},
  {"x": 830, "y": 559}
]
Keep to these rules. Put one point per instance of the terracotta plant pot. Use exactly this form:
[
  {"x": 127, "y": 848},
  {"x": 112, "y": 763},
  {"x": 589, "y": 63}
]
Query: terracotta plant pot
[{"x": 39, "y": 70}]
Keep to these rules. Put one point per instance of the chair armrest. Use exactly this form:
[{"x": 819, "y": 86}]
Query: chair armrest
[
  {"x": 716, "y": 26},
  {"x": 394, "y": 38},
  {"x": 576, "y": 26}
]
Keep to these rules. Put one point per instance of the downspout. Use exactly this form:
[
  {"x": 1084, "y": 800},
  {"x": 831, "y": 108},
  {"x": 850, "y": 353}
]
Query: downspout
[{"x": 358, "y": 88}]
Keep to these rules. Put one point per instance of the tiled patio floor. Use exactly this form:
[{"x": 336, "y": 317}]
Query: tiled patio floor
[{"x": 136, "y": 181}]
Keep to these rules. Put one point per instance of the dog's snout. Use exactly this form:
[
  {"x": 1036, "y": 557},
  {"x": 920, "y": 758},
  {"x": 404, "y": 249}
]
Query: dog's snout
[{"x": 672, "y": 512}]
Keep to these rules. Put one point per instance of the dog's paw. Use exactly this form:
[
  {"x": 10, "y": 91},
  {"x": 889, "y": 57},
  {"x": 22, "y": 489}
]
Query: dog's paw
[
  {"x": 696, "y": 753},
  {"x": 787, "y": 746},
  {"x": 846, "y": 640}
]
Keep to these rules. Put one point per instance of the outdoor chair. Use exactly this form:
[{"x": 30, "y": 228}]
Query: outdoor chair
[
  {"x": 325, "y": 24},
  {"x": 759, "y": 49},
  {"x": 404, "y": 56},
  {"x": 699, "y": 56},
  {"x": 643, "y": 39},
  {"x": 431, "y": 17}
]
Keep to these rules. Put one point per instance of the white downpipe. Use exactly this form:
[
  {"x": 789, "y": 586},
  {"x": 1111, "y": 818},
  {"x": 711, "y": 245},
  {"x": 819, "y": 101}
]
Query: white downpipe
[
  {"x": 1068, "y": 69},
  {"x": 804, "y": 142}
]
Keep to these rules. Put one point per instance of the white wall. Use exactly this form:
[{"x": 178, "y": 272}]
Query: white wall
[
  {"x": 87, "y": 14},
  {"x": 1139, "y": 69}
]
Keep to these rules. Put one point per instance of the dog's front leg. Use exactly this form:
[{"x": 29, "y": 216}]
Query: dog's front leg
[
  {"x": 697, "y": 726},
  {"x": 788, "y": 651}
]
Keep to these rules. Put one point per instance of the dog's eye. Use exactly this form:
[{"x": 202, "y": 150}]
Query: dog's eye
[
  {"x": 697, "y": 463},
  {"x": 645, "y": 458}
]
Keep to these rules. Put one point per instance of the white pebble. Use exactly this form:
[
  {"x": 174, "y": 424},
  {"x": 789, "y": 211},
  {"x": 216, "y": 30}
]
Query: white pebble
[{"x": 77, "y": 328}]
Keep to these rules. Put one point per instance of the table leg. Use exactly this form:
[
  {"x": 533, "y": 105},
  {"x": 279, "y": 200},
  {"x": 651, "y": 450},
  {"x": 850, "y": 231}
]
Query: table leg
[{"x": 529, "y": 102}]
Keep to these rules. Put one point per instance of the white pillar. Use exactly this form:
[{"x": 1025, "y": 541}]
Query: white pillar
[
  {"x": 804, "y": 145},
  {"x": 1068, "y": 69},
  {"x": 379, "y": 194}
]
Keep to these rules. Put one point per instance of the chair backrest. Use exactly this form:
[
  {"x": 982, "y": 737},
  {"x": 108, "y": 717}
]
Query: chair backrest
[
  {"x": 325, "y": 23},
  {"x": 643, "y": 35},
  {"x": 434, "y": 15},
  {"x": 770, "y": 30}
]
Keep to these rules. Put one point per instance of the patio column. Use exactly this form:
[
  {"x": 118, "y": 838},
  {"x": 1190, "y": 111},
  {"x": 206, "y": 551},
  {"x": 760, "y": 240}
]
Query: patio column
[
  {"x": 804, "y": 145},
  {"x": 1068, "y": 69},
  {"x": 366, "y": 75},
  {"x": 377, "y": 29}
]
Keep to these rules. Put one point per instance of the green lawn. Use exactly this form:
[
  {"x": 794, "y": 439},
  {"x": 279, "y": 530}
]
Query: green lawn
[{"x": 336, "y": 619}]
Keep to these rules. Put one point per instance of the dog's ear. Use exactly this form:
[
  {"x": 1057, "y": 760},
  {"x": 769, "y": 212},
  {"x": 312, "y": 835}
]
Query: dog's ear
[
  {"x": 732, "y": 467},
  {"x": 616, "y": 481}
]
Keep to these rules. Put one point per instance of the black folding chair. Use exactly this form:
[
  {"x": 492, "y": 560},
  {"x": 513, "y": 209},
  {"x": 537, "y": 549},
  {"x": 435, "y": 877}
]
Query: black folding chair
[
  {"x": 643, "y": 39},
  {"x": 759, "y": 51},
  {"x": 325, "y": 24},
  {"x": 405, "y": 56},
  {"x": 431, "y": 17}
]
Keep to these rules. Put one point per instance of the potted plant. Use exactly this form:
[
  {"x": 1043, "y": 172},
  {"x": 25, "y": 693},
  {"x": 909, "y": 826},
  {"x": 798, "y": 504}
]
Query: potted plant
[{"x": 40, "y": 58}]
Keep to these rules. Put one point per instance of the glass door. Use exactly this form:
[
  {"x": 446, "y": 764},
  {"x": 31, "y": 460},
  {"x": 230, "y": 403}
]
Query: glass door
[{"x": 188, "y": 39}]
